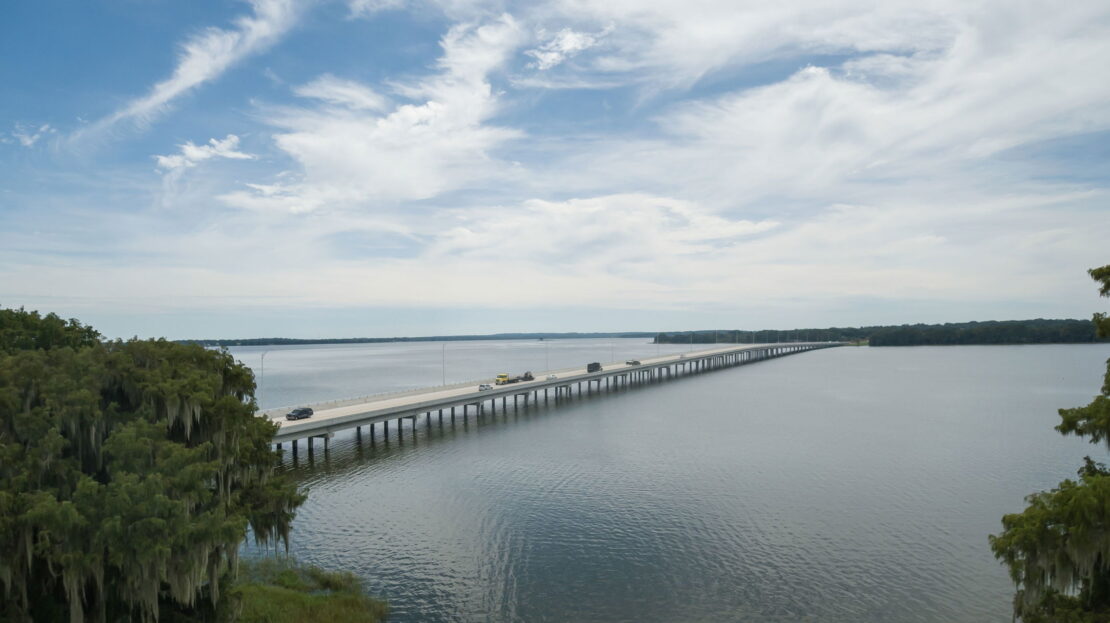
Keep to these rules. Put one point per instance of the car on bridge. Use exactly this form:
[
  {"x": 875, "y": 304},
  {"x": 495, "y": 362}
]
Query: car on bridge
[
  {"x": 299, "y": 413},
  {"x": 633, "y": 362},
  {"x": 485, "y": 387},
  {"x": 593, "y": 367},
  {"x": 551, "y": 377}
]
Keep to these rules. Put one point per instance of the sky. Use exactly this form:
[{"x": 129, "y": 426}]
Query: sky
[{"x": 343, "y": 168}]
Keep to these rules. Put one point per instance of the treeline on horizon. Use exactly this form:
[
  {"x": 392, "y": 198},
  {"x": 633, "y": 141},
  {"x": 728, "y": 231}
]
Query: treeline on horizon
[
  {"x": 286, "y": 341},
  {"x": 1039, "y": 331}
]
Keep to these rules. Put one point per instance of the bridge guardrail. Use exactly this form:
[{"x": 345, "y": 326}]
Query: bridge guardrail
[{"x": 343, "y": 402}]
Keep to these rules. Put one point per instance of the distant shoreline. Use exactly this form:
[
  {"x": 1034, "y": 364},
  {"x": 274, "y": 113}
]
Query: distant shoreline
[
  {"x": 1037, "y": 331},
  {"x": 988, "y": 332},
  {"x": 284, "y": 341}
]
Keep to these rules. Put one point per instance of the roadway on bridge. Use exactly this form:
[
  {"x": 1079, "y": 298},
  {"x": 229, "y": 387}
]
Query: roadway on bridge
[{"x": 372, "y": 403}]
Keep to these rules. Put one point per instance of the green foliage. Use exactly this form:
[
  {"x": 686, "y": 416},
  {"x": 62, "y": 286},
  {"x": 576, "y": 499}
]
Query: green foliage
[
  {"x": 1059, "y": 542},
  {"x": 730, "y": 336},
  {"x": 129, "y": 473},
  {"x": 278, "y": 591},
  {"x": 1102, "y": 322},
  {"x": 1092, "y": 421},
  {"x": 1102, "y": 276},
  {"x": 1039, "y": 331},
  {"x": 1057, "y": 607},
  {"x": 1058, "y": 548},
  {"x": 21, "y": 330}
]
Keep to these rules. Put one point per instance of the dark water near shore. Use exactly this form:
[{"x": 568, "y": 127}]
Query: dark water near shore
[{"x": 848, "y": 484}]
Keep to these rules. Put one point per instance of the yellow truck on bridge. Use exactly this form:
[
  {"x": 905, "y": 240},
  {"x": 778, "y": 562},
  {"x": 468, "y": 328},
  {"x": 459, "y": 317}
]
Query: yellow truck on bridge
[{"x": 505, "y": 379}]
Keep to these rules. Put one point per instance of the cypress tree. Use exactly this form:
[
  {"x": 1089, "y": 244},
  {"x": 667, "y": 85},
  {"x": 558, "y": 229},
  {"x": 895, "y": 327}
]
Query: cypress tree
[
  {"x": 1058, "y": 548},
  {"x": 130, "y": 472}
]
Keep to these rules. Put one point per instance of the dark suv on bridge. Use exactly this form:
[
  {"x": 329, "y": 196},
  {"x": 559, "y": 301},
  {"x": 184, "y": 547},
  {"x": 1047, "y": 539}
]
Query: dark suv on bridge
[{"x": 299, "y": 414}]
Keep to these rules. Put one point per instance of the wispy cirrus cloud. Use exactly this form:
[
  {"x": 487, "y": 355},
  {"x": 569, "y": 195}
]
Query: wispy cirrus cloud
[
  {"x": 882, "y": 118},
  {"x": 663, "y": 44},
  {"x": 207, "y": 55},
  {"x": 352, "y": 151},
  {"x": 363, "y": 8},
  {"x": 27, "y": 135},
  {"x": 343, "y": 93}
]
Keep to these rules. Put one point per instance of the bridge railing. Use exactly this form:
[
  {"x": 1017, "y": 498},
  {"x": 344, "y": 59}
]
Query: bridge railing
[{"x": 344, "y": 402}]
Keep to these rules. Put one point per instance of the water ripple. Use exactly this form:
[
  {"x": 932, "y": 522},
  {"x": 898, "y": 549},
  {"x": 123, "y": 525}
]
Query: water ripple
[{"x": 835, "y": 486}]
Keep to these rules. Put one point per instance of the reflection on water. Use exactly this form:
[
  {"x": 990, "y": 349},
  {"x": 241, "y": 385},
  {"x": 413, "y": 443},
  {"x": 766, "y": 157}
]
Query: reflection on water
[{"x": 848, "y": 484}]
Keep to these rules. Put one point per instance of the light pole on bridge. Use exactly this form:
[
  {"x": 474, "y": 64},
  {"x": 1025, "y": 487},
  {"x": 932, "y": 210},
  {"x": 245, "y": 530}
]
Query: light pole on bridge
[{"x": 262, "y": 377}]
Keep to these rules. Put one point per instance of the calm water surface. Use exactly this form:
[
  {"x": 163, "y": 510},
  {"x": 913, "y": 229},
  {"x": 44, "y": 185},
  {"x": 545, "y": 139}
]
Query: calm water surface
[{"x": 849, "y": 484}]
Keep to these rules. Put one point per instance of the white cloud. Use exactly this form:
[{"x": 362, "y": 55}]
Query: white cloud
[
  {"x": 192, "y": 154},
  {"x": 855, "y": 132},
  {"x": 344, "y": 93},
  {"x": 612, "y": 231},
  {"x": 670, "y": 44},
  {"x": 563, "y": 45},
  {"x": 889, "y": 176},
  {"x": 28, "y": 136},
  {"x": 352, "y": 155},
  {"x": 636, "y": 252},
  {"x": 208, "y": 54},
  {"x": 872, "y": 179},
  {"x": 369, "y": 7}
]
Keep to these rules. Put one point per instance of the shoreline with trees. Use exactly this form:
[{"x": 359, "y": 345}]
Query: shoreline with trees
[{"x": 1038, "y": 331}]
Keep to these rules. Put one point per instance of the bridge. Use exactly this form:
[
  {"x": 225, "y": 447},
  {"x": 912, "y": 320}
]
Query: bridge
[{"x": 559, "y": 385}]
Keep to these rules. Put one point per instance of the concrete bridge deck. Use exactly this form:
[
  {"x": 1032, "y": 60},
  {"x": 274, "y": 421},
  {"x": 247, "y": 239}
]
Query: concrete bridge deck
[{"x": 330, "y": 417}]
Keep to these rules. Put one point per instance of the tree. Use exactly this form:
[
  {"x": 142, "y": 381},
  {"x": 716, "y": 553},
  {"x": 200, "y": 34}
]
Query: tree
[
  {"x": 129, "y": 473},
  {"x": 1058, "y": 549},
  {"x": 20, "y": 330}
]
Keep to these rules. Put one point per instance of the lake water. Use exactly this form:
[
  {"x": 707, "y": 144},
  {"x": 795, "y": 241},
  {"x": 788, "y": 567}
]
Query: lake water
[{"x": 846, "y": 484}]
